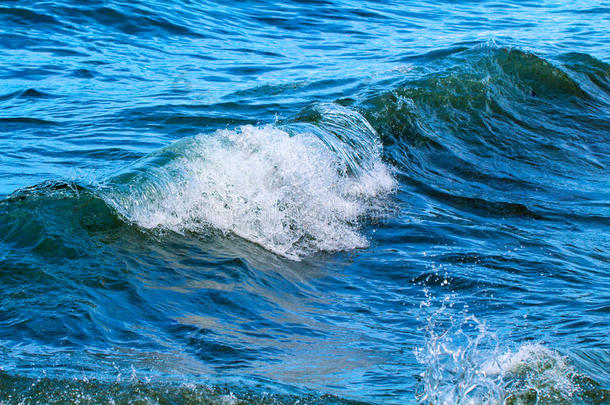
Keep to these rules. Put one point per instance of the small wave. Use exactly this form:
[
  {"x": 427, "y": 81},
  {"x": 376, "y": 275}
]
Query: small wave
[
  {"x": 468, "y": 364},
  {"x": 47, "y": 217},
  {"x": 27, "y": 94},
  {"x": 26, "y": 120},
  {"x": 293, "y": 189},
  {"x": 27, "y": 16},
  {"x": 136, "y": 21}
]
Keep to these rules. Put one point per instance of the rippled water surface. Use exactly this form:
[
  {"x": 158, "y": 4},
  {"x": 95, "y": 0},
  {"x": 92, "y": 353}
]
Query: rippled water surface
[{"x": 325, "y": 202}]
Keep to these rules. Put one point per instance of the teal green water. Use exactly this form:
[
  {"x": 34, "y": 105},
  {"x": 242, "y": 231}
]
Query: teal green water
[{"x": 314, "y": 202}]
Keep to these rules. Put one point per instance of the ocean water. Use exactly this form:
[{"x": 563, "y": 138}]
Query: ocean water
[{"x": 322, "y": 202}]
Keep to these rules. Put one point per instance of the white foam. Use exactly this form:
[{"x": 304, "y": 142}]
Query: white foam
[
  {"x": 290, "y": 193},
  {"x": 534, "y": 366},
  {"x": 467, "y": 364}
]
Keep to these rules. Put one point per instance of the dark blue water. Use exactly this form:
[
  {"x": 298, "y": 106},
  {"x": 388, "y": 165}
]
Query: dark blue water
[{"x": 324, "y": 202}]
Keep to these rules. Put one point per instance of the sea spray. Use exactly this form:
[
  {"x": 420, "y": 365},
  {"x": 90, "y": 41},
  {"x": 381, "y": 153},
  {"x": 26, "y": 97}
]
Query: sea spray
[{"x": 466, "y": 363}]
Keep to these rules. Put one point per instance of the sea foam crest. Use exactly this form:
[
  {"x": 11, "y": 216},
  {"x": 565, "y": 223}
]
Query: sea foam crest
[{"x": 294, "y": 189}]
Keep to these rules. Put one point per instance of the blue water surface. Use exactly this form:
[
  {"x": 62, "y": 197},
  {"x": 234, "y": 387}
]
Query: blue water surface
[{"x": 315, "y": 201}]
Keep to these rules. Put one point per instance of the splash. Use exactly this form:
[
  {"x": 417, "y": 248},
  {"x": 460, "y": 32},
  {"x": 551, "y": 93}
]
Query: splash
[
  {"x": 294, "y": 189},
  {"x": 467, "y": 364}
]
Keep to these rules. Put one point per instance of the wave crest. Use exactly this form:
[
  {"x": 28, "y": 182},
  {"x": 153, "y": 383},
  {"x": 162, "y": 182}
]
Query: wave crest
[{"x": 294, "y": 190}]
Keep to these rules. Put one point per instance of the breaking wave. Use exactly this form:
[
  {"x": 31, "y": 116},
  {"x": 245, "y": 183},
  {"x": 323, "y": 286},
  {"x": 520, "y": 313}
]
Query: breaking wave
[
  {"x": 465, "y": 363},
  {"x": 293, "y": 189}
]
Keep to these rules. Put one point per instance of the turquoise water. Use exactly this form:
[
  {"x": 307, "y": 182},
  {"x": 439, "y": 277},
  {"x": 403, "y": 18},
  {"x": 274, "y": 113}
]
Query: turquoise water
[{"x": 315, "y": 202}]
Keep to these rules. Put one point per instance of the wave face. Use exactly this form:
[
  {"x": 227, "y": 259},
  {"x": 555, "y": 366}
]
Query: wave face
[
  {"x": 293, "y": 190},
  {"x": 323, "y": 202}
]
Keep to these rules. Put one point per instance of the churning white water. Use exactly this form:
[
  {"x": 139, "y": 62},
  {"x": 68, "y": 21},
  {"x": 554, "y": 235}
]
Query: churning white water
[
  {"x": 292, "y": 190},
  {"x": 467, "y": 364}
]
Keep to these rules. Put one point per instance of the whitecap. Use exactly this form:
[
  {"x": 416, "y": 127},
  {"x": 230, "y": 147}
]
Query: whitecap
[{"x": 294, "y": 189}]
